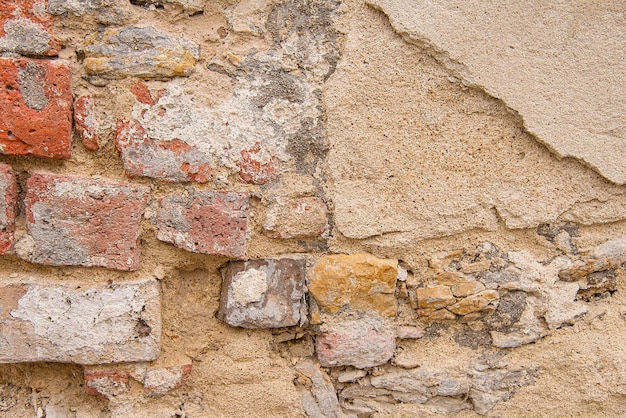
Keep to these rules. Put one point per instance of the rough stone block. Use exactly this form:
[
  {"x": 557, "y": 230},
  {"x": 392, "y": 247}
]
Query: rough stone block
[
  {"x": 159, "y": 381},
  {"x": 75, "y": 322},
  {"x": 107, "y": 383},
  {"x": 139, "y": 52},
  {"x": 26, "y": 29},
  {"x": 434, "y": 297},
  {"x": 173, "y": 160},
  {"x": 205, "y": 222},
  {"x": 474, "y": 303},
  {"x": 77, "y": 221},
  {"x": 606, "y": 256},
  {"x": 8, "y": 207},
  {"x": 105, "y": 11},
  {"x": 358, "y": 343},
  {"x": 85, "y": 122},
  {"x": 189, "y": 6},
  {"x": 35, "y": 108},
  {"x": 265, "y": 293},
  {"x": 357, "y": 281},
  {"x": 304, "y": 217}
]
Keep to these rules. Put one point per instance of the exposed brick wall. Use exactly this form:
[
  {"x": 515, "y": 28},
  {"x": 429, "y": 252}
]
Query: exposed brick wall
[{"x": 119, "y": 177}]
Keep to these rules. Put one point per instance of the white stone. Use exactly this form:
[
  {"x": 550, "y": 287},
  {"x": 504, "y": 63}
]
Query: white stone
[{"x": 248, "y": 286}]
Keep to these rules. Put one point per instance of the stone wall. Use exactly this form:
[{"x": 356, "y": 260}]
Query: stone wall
[{"x": 311, "y": 208}]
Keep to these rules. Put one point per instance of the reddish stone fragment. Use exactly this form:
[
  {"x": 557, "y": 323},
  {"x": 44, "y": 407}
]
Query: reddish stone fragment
[
  {"x": 159, "y": 381},
  {"x": 262, "y": 293},
  {"x": 303, "y": 217},
  {"x": 35, "y": 108},
  {"x": 251, "y": 170},
  {"x": 26, "y": 28},
  {"x": 358, "y": 343},
  {"x": 205, "y": 222},
  {"x": 107, "y": 383},
  {"x": 85, "y": 122},
  {"x": 77, "y": 221},
  {"x": 8, "y": 207},
  {"x": 167, "y": 160}
]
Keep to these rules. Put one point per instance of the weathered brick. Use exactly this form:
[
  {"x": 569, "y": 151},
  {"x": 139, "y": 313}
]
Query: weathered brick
[
  {"x": 205, "y": 222},
  {"x": 85, "y": 122},
  {"x": 139, "y": 52},
  {"x": 255, "y": 171},
  {"x": 35, "y": 108},
  {"x": 357, "y": 281},
  {"x": 264, "y": 293},
  {"x": 8, "y": 207},
  {"x": 358, "y": 343},
  {"x": 159, "y": 381},
  {"x": 26, "y": 28},
  {"x": 77, "y": 221},
  {"x": 107, "y": 383},
  {"x": 166, "y": 160},
  {"x": 304, "y": 217},
  {"x": 79, "y": 322}
]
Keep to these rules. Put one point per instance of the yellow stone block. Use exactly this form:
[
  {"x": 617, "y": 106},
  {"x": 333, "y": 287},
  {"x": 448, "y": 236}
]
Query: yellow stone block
[
  {"x": 434, "y": 297},
  {"x": 356, "y": 281}
]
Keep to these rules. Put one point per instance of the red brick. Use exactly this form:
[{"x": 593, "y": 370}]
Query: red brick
[
  {"x": 166, "y": 160},
  {"x": 77, "y": 221},
  {"x": 205, "y": 222},
  {"x": 8, "y": 207},
  {"x": 107, "y": 383},
  {"x": 85, "y": 122},
  {"x": 26, "y": 29},
  {"x": 251, "y": 170},
  {"x": 35, "y": 108}
]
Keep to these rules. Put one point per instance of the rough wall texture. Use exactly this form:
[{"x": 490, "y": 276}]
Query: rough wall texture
[{"x": 311, "y": 208}]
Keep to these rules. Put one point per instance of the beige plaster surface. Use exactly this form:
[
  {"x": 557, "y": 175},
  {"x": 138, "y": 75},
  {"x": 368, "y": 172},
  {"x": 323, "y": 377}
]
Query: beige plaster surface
[{"x": 559, "y": 64}]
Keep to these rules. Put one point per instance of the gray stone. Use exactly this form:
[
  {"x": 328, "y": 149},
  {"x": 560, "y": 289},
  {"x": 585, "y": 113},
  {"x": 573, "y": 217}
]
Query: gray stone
[
  {"x": 71, "y": 322},
  {"x": 23, "y": 36},
  {"x": 104, "y": 10},
  {"x": 265, "y": 293},
  {"x": 139, "y": 52},
  {"x": 321, "y": 400},
  {"x": 481, "y": 42},
  {"x": 32, "y": 85}
]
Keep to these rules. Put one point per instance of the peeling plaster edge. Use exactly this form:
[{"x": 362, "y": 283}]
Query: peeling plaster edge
[{"x": 460, "y": 71}]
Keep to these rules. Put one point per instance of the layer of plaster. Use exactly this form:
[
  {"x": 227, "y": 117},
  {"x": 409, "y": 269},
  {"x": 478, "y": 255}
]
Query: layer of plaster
[
  {"x": 415, "y": 154},
  {"x": 560, "y": 65}
]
